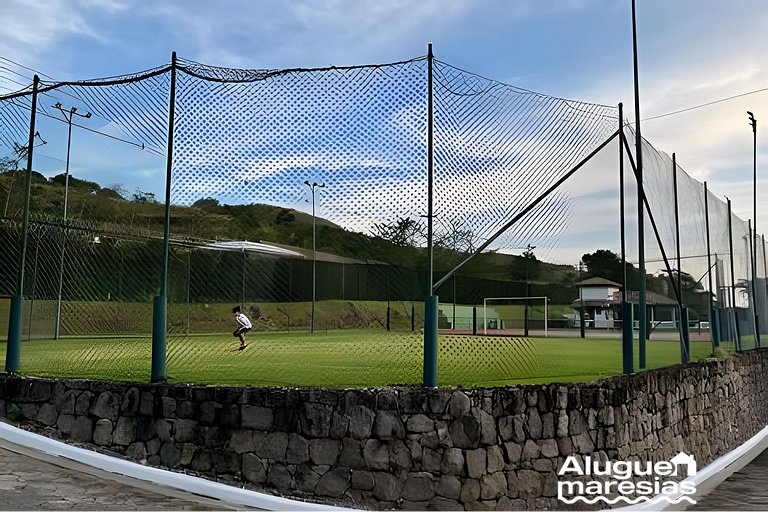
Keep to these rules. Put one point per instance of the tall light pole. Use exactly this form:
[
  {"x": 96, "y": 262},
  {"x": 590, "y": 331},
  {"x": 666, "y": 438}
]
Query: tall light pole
[
  {"x": 68, "y": 116},
  {"x": 753, "y": 124},
  {"x": 312, "y": 187}
]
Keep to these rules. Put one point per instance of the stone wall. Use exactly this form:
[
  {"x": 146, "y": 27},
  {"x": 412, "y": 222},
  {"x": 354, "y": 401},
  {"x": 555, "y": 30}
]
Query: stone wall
[{"x": 406, "y": 448}]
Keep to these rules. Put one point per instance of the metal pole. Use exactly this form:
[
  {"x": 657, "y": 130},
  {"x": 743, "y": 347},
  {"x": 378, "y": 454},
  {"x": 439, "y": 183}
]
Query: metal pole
[
  {"x": 242, "y": 282},
  {"x": 160, "y": 304},
  {"x": 13, "y": 348},
  {"x": 68, "y": 116},
  {"x": 314, "y": 261},
  {"x": 312, "y": 187},
  {"x": 677, "y": 227},
  {"x": 713, "y": 334},
  {"x": 431, "y": 303},
  {"x": 34, "y": 286},
  {"x": 621, "y": 207},
  {"x": 430, "y": 170},
  {"x": 737, "y": 340},
  {"x": 582, "y": 315},
  {"x": 682, "y": 326},
  {"x": 642, "y": 313},
  {"x": 189, "y": 283},
  {"x": 765, "y": 268},
  {"x": 753, "y": 302},
  {"x": 753, "y": 123},
  {"x": 627, "y": 321}
]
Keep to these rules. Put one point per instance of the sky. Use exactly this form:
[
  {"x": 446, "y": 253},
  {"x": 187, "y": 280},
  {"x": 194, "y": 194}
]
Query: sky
[{"x": 691, "y": 52}]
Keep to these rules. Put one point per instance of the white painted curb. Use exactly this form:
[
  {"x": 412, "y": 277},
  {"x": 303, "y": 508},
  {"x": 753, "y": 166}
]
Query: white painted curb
[
  {"x": 186, "y": 483},
  {"x": 710, "y": 476}
]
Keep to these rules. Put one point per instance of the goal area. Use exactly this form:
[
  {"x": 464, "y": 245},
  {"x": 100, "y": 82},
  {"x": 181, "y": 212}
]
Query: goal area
[{"x": 526, "y": 316}]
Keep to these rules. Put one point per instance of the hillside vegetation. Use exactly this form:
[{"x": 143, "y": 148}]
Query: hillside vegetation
[{"x": 207, "y": 219}]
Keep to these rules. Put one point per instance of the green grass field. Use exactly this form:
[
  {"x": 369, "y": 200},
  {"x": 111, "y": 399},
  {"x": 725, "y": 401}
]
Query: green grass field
[{"x": 346, "y": 358}]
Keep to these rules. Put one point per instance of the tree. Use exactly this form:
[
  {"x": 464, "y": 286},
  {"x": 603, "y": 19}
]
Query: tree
[
  {"x": 140, "y": 197},
  {"x": 404, "y": 232},
  {"x": 90, "y": 186},
  {"x": 119, "y": 189},
  {"x": 607, "y": 264},
  {"x": 284, "y": 216},
  {"x": 456, "y": 238},
  {"x": 11, "y": 165},
  {"x": 205, "y": 203}
]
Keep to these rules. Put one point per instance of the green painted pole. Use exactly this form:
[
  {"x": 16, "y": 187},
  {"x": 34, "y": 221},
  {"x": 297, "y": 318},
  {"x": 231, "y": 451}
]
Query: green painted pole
[
  {"x": 685, "y": 346},
  {"x": 430, "y": 304},
  {"x": 714, "y": 332},
  {"x": 160, "y": 303},
  {"x": 627, "y": 332},
  {"x": 733, "y": 319},
  {"x": 627, "y": 320},
  {"x": 430, "y": 341},
  {"x": 642, "y": 313},
  {"x": 13, "y": 347}
]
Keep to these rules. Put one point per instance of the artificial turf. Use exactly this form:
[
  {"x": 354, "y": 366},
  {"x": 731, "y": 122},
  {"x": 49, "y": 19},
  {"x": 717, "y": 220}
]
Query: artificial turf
[{"x": 343, "y": 358}]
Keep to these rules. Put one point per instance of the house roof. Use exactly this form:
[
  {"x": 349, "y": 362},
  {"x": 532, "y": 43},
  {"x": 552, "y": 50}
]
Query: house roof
[
  {"x": 597, "y": 281},
  {"x": 252, "y": 247},
  {"x": 651, "y": 299}
]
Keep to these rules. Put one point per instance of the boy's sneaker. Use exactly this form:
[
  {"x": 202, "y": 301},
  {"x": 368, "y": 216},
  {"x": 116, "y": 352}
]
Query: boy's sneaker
[{"x": 242, "y": 347}]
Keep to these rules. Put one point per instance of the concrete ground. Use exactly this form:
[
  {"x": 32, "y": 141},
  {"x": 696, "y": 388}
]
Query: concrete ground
[
  {"x": 743, "y": 490},
  {"x": 32, "y": 480}
]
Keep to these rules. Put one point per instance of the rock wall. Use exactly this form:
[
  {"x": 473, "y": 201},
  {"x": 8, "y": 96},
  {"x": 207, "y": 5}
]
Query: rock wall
[{"x": 406, "y": 448}]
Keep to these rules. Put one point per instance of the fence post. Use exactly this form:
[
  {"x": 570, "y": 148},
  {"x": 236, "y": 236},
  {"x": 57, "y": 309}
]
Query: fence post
[
  {"x": 160, "y": 303},
  {"x": 714, "y": 332},
  {"x": 430, "y": 304},
  {"x": 642, "y": 313},
  {"x": 627, "y": 320},
  {"x": 474, "y": 320},
  {"x": 733, "y": 316},
  {"x": 685, "y": 346},
  {"x": 627, "y": 332},
  {"x": 13, "y": 348}
]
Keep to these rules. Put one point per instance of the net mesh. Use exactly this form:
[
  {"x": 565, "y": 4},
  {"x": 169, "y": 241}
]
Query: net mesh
[{"x": 300, "y": 195}]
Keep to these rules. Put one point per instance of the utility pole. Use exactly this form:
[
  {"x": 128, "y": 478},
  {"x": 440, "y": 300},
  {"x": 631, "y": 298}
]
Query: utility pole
[{"x": 69, "y": 115}]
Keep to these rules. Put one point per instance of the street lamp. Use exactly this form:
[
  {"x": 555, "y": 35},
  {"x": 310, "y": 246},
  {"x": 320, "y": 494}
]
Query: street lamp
[
  {"x": 753, "y": 124},
  {"x": 68, "y": 116},
  {"x": 312, "y": 187}
]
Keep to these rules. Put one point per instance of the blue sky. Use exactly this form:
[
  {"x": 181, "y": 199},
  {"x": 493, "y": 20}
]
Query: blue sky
[{"x": 691, "y": 52}]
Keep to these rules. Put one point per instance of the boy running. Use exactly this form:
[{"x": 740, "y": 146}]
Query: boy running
[{"x": 243, "y": 326}]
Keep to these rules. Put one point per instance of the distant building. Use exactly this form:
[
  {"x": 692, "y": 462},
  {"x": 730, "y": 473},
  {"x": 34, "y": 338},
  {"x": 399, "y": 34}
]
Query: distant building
[{"x": 601, "y": 299}]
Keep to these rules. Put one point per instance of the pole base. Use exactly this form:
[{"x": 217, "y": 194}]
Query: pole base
[
  {"x": 430, "y": 342},
  {"x": 13, "y": 348},
  {"x": 159, "y": 310}
]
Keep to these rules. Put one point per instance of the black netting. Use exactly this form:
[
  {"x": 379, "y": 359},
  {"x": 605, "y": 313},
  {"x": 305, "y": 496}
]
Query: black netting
[{"x": 300, "y": 195}]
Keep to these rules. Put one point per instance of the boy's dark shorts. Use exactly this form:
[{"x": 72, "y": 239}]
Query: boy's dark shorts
[{"x": 240, "y": 330}]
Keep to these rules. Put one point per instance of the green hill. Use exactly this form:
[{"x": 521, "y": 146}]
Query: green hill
[{"x": 207, "y": 219}]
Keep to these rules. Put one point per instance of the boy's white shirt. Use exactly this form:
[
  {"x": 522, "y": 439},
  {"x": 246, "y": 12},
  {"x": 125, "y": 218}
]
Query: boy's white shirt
[{"x": 243, "y": 321}]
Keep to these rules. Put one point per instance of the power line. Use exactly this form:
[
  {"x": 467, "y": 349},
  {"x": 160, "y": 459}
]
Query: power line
[
  {"x": 27, "y": 68},
  {"x": 93, "y": 130},
  {"x": 707, "y": 104}
]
